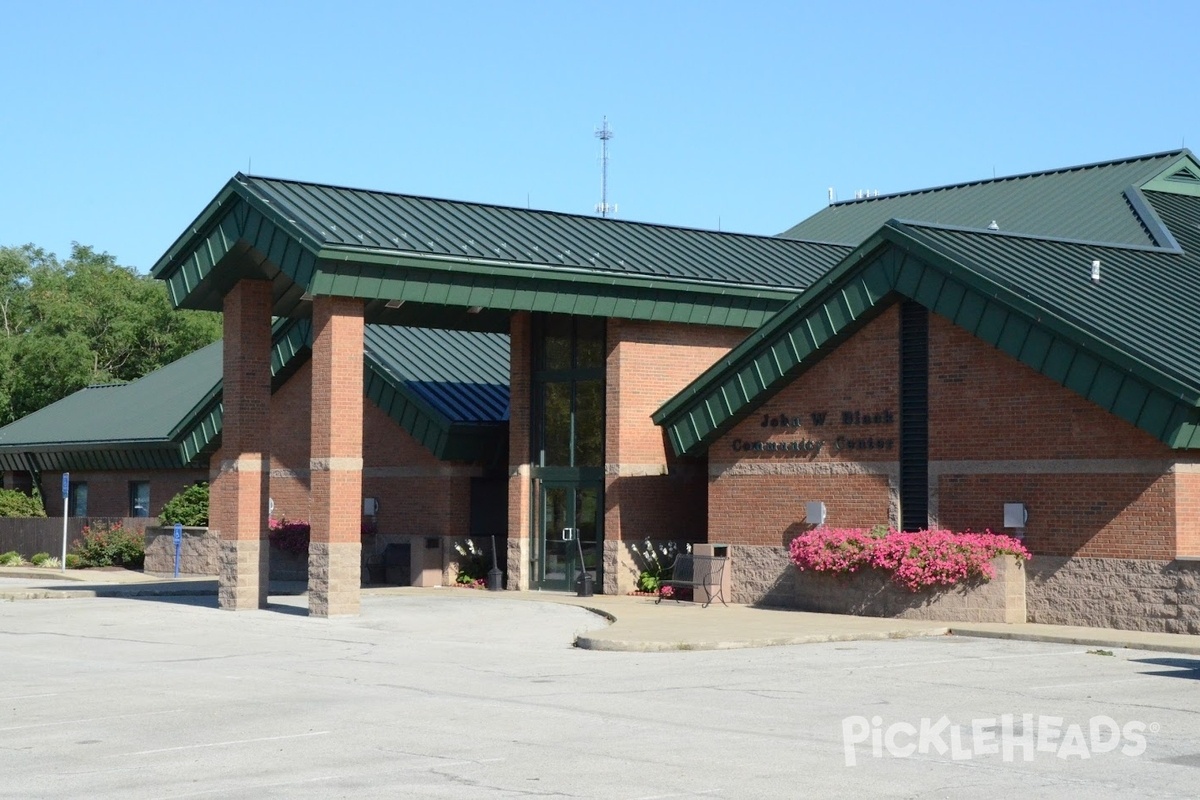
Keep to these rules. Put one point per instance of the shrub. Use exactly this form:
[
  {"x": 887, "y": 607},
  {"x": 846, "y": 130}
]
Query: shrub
[
  {"x": 51, "y": 563},
  {"x": 11, "y": 559},
  {"x": 39, "y": 559},
  {"x": 290, "y": 536},
  {"x": 917, "y": 560},
  {"x": 105, "y": 545},
  {"x": 18, "y": 504},
  {"x": 189, "y": 507},
  {"x": 473, "y": 563},
  {"x": 74, "y": 561},
  {"x": 657, "y": 561}
]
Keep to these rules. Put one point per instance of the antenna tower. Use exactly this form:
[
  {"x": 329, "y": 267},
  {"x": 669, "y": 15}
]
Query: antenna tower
[{"x": 604, "y": 133}]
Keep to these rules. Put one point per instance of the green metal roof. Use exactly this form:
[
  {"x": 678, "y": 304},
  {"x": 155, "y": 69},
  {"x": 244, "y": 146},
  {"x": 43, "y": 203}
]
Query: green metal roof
[
  {"x": 1088, "y": 202},
  {"x": 441, "y": 258},
  {"x": 449, "y": 389},
  {"x": 1130, "y": 343},
  {"x": 122, "y": 426}
]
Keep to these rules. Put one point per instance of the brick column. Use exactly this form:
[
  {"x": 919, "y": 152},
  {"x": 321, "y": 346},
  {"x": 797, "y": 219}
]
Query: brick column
[
  {"x": 240, "y": 486},
  {"x": 520, "y": 510},
  {"x": 335, "y": 549}
]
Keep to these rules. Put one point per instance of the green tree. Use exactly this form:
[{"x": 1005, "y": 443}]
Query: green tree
[{"x": 67, "y": 324}]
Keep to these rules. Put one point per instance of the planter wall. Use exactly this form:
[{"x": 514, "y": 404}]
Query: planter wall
[
  {"x": 767, "y": 578},
  {"x": 198, "y": 552}
]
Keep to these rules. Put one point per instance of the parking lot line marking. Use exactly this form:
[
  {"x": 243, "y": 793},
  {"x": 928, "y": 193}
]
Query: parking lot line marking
[
  {"x": 28, "y": 696},
  {"x": 683, "y": 794},
  {"x": 90, "y": 719},
  {"x": 220, "y": 744}
]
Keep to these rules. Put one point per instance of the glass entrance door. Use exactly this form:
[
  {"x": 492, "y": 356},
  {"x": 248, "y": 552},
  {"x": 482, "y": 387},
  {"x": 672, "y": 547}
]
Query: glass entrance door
[{"x": 569, "y": 516}]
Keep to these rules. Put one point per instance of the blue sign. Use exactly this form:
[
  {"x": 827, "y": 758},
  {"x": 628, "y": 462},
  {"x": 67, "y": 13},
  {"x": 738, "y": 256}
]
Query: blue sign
[
  {"x": 66, "y": 484},
  {"x": 178, "y": 532}
]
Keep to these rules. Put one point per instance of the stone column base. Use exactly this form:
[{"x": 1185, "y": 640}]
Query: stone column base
[
  {"x": 334, "y": 578},
  {"x": 242, "y": 576},
  {"x": 518, "y": 562}
]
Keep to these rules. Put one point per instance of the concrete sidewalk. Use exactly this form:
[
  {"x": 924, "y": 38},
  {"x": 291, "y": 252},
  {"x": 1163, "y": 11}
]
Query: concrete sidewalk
[{"x": 637, "y": 623}]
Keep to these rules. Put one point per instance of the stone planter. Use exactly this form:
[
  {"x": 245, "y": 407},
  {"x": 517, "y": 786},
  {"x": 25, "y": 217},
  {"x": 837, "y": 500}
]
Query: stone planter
[
  {"x": 198, "y": 551},
  {"x": 871, "y": 593}
]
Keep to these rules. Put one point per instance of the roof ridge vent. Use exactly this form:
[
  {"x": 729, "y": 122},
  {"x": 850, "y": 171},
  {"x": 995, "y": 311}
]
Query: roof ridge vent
[{"x": 993, "y": 226}]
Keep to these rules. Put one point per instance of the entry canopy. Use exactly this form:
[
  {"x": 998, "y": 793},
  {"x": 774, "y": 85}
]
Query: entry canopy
[
  {"x": 1117, "y": 322},
  {"x": 439, "y": 263}
]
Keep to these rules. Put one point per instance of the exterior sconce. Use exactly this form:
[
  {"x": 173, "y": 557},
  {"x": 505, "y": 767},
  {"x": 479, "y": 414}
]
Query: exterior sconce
[
  {"x": 1015, "y": 516},
  {"x": 370, "y": 506},
  {"x": 814, "y": 512}
]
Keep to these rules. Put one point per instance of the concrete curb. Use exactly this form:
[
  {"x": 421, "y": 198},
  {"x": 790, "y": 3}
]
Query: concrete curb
[
  {"x": 588, "y": 642},
  {"x": 116, "y": 591},
  {"x": 49, "y": 574},
  {"x": 1118, "y": 639}
]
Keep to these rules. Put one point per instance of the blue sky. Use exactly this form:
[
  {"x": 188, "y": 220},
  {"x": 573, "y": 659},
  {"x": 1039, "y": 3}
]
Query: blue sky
[{"x": 123, "y": 119}]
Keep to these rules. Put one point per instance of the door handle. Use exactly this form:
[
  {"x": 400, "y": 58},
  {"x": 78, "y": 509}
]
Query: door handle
[{"x": 568, "y": 534}]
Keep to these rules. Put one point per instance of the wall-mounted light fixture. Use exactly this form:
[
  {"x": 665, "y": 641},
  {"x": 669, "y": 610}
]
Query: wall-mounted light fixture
[
  {"x": 1016, "y": 515},
  {"x": 814, "y": 512},
  {"x": 370, "y": 506}
]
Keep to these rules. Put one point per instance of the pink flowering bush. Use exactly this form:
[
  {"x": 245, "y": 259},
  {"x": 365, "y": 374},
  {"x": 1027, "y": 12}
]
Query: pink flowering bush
[
  {"x": 916, "y": 560},
  {"x": 290, "y": 535}
]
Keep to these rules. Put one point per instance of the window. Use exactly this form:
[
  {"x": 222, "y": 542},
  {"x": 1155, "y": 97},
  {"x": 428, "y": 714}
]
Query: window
[
  {"x": 139, "y": 498},
  {"x": 77, "y": 499},
  {"x": 569, "y": 392}
]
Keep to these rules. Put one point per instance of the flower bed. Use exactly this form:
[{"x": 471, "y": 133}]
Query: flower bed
[
  {"x": 923, "y": 574},
  {"x": 917, "y": 560}
]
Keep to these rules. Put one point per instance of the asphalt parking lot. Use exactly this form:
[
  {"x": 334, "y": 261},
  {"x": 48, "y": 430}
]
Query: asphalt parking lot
[{"x": 433, "y": 697}]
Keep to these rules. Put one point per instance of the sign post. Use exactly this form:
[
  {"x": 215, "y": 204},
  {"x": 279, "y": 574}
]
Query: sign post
[
  {"x": 66, "y": 491},
  {"x": 178, "y": 544}
]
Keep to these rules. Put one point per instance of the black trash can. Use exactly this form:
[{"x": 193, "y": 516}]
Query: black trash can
[{"x": 584, "y": 584}]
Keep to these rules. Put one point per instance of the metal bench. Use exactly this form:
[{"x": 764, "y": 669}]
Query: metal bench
[{"x": 697, "y": 572}]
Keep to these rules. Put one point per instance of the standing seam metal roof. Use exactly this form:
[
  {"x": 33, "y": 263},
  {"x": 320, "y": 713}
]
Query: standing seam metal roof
[
  {"x": 464, "y": 376},
  {"x": 356, "y": 218},
  {"x": 1085, "y": 202}
]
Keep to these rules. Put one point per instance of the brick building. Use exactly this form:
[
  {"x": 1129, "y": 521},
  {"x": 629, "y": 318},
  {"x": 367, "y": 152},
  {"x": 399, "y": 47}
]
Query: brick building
[{"x": 915, "y": 359}]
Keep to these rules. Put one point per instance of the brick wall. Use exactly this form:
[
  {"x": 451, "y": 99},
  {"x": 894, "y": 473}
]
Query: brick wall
[
  {"x": 1095, "y": 485},
  {"x": 108, "y": 491},
  {"x": 999, "y": 432},
  {"x": 648, "y": 493},
  {"x": 1187, "y": 510},
  {"x": 757, "y": 488},
  {"x": 983, "y": 403}
]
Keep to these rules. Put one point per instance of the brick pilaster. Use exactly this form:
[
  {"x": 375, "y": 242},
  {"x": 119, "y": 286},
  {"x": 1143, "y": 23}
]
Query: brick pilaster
[
  {"x": 334, "y": 556},
  {"x": 239, "y": 493},
  {"x": 519, "y": 465}
]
